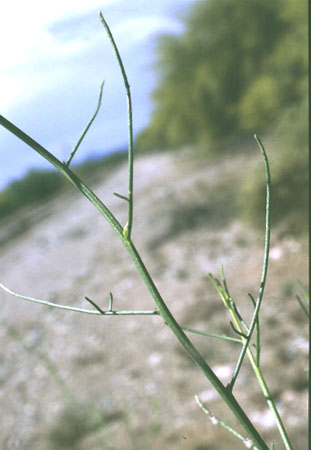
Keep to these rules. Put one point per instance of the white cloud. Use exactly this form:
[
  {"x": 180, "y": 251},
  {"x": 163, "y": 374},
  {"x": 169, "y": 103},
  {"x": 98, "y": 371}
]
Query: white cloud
[
  {"x": 24, "y": 26},
  {"x": 143, "y": 26},
  {"x": 27, "y": 40},
  {"x": 39, "y": 35}
]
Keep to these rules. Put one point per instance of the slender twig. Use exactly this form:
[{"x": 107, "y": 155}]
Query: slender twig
[
  {"x": 242, "y": 321},
  {"x": 123, "y": 197},
  {"x": 128, "y": 226},
  {"x": 219, "y": 336},
  {"x": 101, "y": 311},
  {"x": 223, "y": 291},
  {"x": 305, "y": 293},
  {"x": 258, "y": 344},
  {"x": 98, "y": 311},
  {"x": 304, "y": 309},
  {"x": 72, "y": 154},
  {"x": 230, "y": 304},
  {"x": 216, "y": 421},
  {"x": 255, "y": 318},
  {"x": 224, "y": 281},
  {"x": 240, "y": 333},
  {"x": 110, "y": 305}
]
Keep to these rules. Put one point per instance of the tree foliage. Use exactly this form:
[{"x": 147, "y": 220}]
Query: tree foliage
[
  {"x": 36, "y": 186},
  {"x": 234, "y": 69}
]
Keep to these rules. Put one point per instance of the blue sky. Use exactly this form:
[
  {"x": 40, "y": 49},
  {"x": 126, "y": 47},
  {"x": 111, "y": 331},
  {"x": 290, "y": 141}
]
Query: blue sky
[{"x": 53, "y": 58}]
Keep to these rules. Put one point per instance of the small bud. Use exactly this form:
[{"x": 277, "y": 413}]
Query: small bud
[{"x": 126, "y": 231}]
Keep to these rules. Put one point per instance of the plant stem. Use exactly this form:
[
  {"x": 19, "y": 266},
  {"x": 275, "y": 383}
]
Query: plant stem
[
  {"x": 96, "y": 312},
  {"x": 264, "y": 386},
  {"x": 169, "y": 319},
  {"x": 213, "y": 335},
  {"x": 72, "y": 154},
  {"x": 216, "y": 421},
  {"x": 128, "y": 227},
  {"x": 255, "y": 318},
  {"x": 245, "y": 339}
]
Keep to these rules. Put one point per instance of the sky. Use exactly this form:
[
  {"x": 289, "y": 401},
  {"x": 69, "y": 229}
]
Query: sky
[{"x": 54, "y": 56}]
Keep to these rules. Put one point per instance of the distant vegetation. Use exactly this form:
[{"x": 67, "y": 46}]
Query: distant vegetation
[
  {"x": 239, "y": 68},
  {"x": 99, "y": 166},
  {"x": 236, "y": 67},
  {"x": 34, "y": 187},
  {"x": 289, "y": 167},
  {"x": 38, "y": 186}
]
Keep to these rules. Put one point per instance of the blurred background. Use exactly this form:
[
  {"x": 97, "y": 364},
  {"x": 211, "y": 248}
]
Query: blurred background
[{"x": 205, "y": 76}]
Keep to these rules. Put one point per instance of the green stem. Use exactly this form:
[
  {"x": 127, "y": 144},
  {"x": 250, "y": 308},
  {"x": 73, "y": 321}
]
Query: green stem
[
  {"x": 72, "y": 154},
  {"x": 128, "y": 229},
  {"x": 266, "y": 392},
  {"x": 216, "y": 421},
  {"x": 213, "y": 335},
  {"x": 259, "y": 375},
  {"x": 255, "y": 318},
  {"x": 302, "y": 306},
  {"x": 95, "y": 312},
  {"x": 169, "y": 319}
]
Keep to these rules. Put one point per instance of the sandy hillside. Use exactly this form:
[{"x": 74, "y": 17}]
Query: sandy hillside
[{"x": 73, "y": 381}]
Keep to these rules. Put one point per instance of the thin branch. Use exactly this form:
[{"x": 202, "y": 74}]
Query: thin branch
[
  {"x": 110, "y": 305},
  {"x": 258, "y": 344},
  {"x": 98, "y": 311},
  {"x": 230, "y": 300},
  {"x": 240, "y": 333},
  {"x": 235, "y": 309},
  {"x": 95, "y": 305},
  {"x": 255, "y": 318},
  {"x": 305, "y": 293},
  {"x": 72, "y": 154},
  {"x": 222, "y": 291},
  {"x": 123, "y": 197},
  {"x": 304, "y": 309},
  {"x": 219, "y": 336},
  {"x": 216, "y": 421},
  {"x": 128, "y": 227},
  {"x": 224, "y": 281}
]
